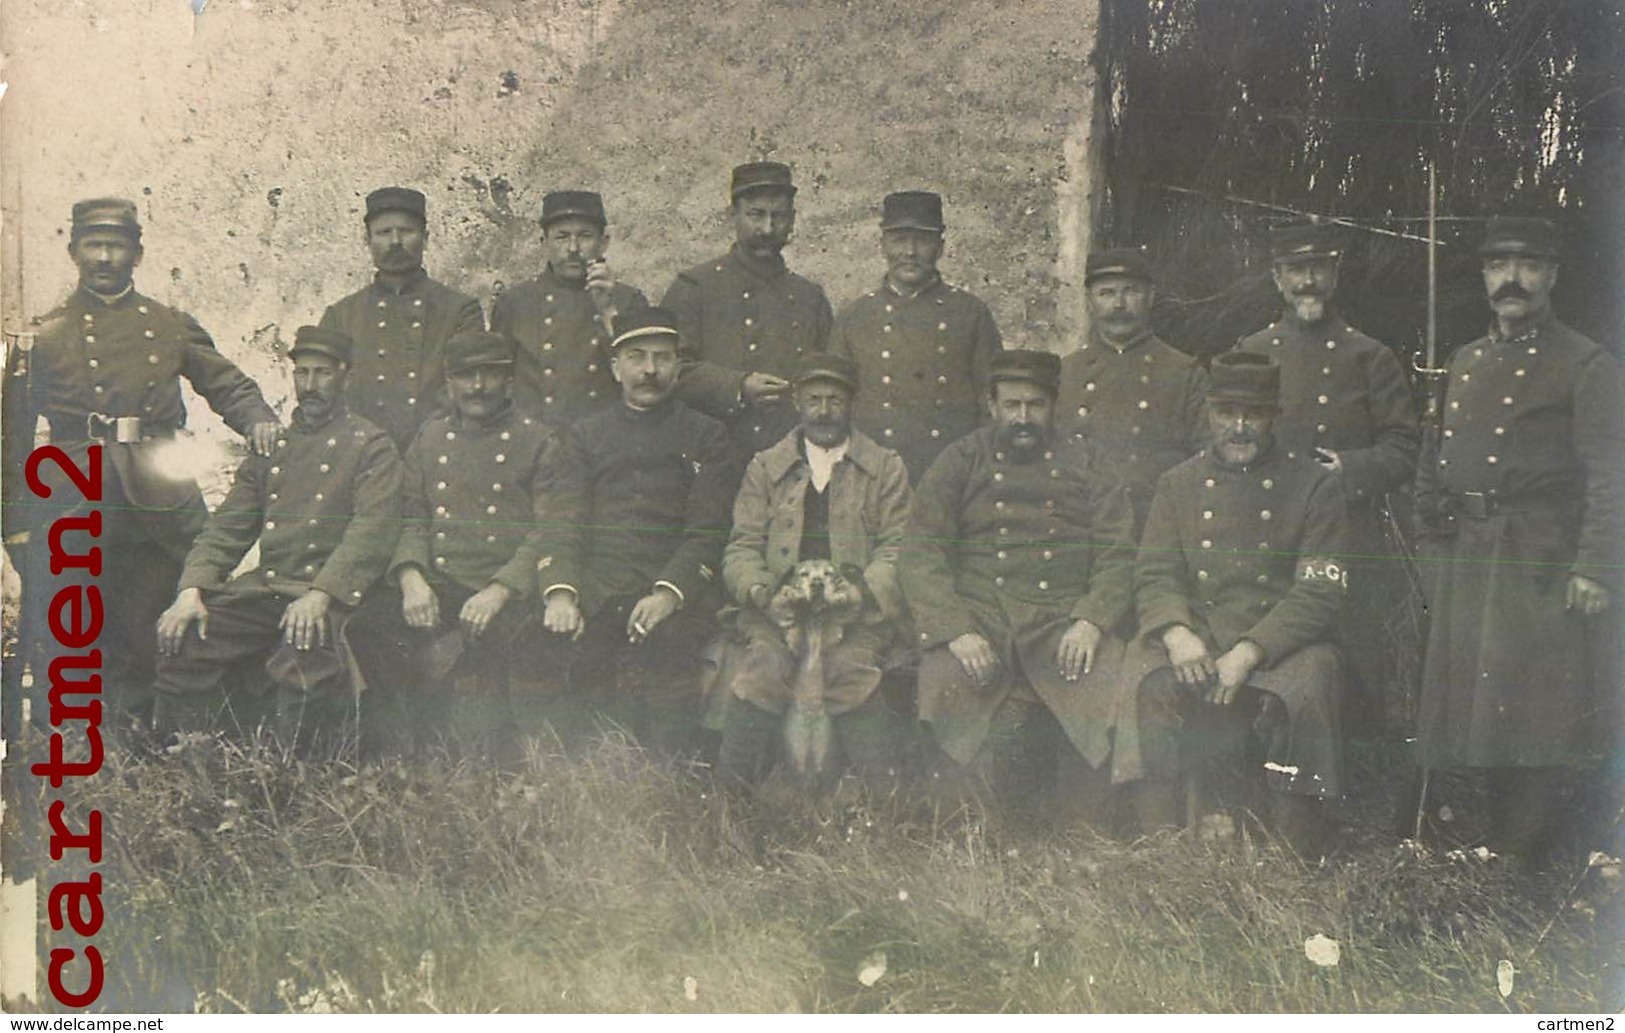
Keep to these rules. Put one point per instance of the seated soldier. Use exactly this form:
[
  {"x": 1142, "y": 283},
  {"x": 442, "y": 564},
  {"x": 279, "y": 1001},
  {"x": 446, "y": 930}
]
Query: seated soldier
[
  {"x": 825, "y": 492},
  {"x": 1019, "y": 561},
  {"x": 325, "y": 508},
  {"x": 454, "y": 624},
  {"x": 1239, "y": 586},
  {"x": 637, "y": 516}
]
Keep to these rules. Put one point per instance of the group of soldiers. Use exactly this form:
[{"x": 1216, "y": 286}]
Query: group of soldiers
[{"x": 739, "y": 511}]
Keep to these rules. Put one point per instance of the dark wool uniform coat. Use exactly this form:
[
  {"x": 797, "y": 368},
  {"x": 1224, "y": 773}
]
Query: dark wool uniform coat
[
  {"x": 1144, "y": 407},
  {"x": 121, "y": 358},
  {"x": 1524, "y": 486},
  {"x": 922, "y": 362},
  {"x": 1017, "y": 551},
  {"x": 397, "y": 375},
  {"x": 739, "y": 315},
  {"x": 1251, "y": 553},
  {"x": 473, "y": 502},
  {"x": 561, "y": 372},
  {"x": 1344, "y": 391},
  {"x": 325, "y": 507},
  {"x": 638, "y": 498}
]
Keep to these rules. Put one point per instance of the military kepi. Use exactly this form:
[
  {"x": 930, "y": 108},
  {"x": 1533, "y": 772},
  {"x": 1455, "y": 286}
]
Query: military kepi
[
  {"x": 397, "y": 199},
  {"x": 99, "y": 213},
  {"x": 471, "y": 349},
  {"x": 335, "y": 344},
  {"x": 1041, "y": 368},
  {"x": 653, "y": 321},
  {"x": 1118, "y": 261},
  {"x": 761, "y": 175},
  {"x": 1308, "y": 238},
  {"x": 573, "y": 204},
  {"x": 1245, "y": 378},
  {"x": 826, "y": 366},
  {"x": 911, "y": 210},
  {"x": 1509, "y": 235}
]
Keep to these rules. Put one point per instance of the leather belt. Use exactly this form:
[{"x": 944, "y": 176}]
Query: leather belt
[
  {"x": 1482, "y": 505},
  {"x": 123, "y": 430}
]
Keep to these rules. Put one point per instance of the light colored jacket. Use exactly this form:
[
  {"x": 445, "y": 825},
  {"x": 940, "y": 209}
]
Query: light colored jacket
[{"x": 869, "y": 501}]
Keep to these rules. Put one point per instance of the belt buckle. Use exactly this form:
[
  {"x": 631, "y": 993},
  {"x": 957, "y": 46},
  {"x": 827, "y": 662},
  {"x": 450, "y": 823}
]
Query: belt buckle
[
  {"x": 1477, "y": 504},
  {"x": 121, "y": 430}
]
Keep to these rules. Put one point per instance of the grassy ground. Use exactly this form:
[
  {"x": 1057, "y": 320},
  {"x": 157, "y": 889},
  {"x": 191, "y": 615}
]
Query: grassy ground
[{"x": 241, "y": 882}]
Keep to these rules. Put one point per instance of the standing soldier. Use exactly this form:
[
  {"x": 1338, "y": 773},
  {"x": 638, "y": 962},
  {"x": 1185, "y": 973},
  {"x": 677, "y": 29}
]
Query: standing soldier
[
  {"x": 325, "y": 508},
  {"x": 922, "y": 347},
  {"x": 1019, "y": 561},
  {"x": 746, "y": 319},
  {"x": 638, "y": 498},
  {"x": 401, "y": 321},
  {"x": 562, "y": 318},
  {"x": 463, "y": 578},
  {"x": 1239, "y": 584},
  {"x": 1346, "y": 405},
  {"x": 1521, "y": 506},
  {"x": 105, "y": 371},
  {"x": 1140, "y": 401}
]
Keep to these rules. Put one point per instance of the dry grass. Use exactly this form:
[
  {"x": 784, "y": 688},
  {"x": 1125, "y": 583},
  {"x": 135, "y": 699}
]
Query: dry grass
[{"x": 241, "y": 881}]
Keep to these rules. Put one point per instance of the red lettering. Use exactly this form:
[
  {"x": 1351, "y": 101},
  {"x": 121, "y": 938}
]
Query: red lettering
[
  {"x": 61, "y": 560},
  {"x": 63, "y": 839},
  {"x": 89, "y": 484},
  {"x": 60, "y": 686},
  {"x": 81, "y": 635},
  {"x": 78, "y": 896},
  {"x": 59, "y": 767},
  {"x": 60, "y": 958}
]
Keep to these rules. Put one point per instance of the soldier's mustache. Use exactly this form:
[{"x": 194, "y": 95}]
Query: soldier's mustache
[{"x": 1509, "y": 290}]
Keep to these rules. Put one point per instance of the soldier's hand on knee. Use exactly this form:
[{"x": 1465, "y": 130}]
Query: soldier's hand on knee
[
  {"x": 482, "y": 608},
  {"x": 1192, "y": 663},
  {"x": 1586, "y": 596},
  {"x": 304, "y": 622},
  {"x": 1076, "y": 653},
  {"x": 562, "y": 615},
  {"x": 1234, "y": 668},
  {"x": 763, "y": 389},
  {"x": 420, "y": 608},
  {"x": 173, "y": 622},
  {"x": 975, "y": 654}
]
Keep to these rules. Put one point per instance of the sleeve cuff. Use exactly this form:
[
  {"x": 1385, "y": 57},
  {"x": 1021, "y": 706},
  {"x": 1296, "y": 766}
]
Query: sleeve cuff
[
  {"x": 550, "y": 589},
  {"x": 678, "y": 592}
]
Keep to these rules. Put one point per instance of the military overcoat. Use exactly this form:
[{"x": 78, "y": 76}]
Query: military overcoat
[
  {"x": 739, "y": 315},
  {"x": 1017, "y": 551},
  {"x": 1251, "y": 553},
  {"x": 923, "y": 362},
  {"x": 562, "y": 370},
  {"x": 1144, "y": 407},
  {"x": 397, "y": 375},
  {"x": 1523, "y": 487}
]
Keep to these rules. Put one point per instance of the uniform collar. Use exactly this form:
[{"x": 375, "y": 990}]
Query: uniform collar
[
  {"x": 651, "y": 415},
  {"x": 761, "y": 270},
  {"x": 787, "y": 454},
  {"x": 935, "y": 285},
  {"x": 1531, "y": 329},
  {"x": 1139, "y": 340},
  {"x": 108, "y": 300},
  {"x": 551, "y": 281},
  {"x": 305, "y": 425},
  {"x": 1267, "y": 457},
  {"x": 1332, "y": 324},
  {"x": 413, "y": 283},
  {"x": 503, "y": 418}
]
